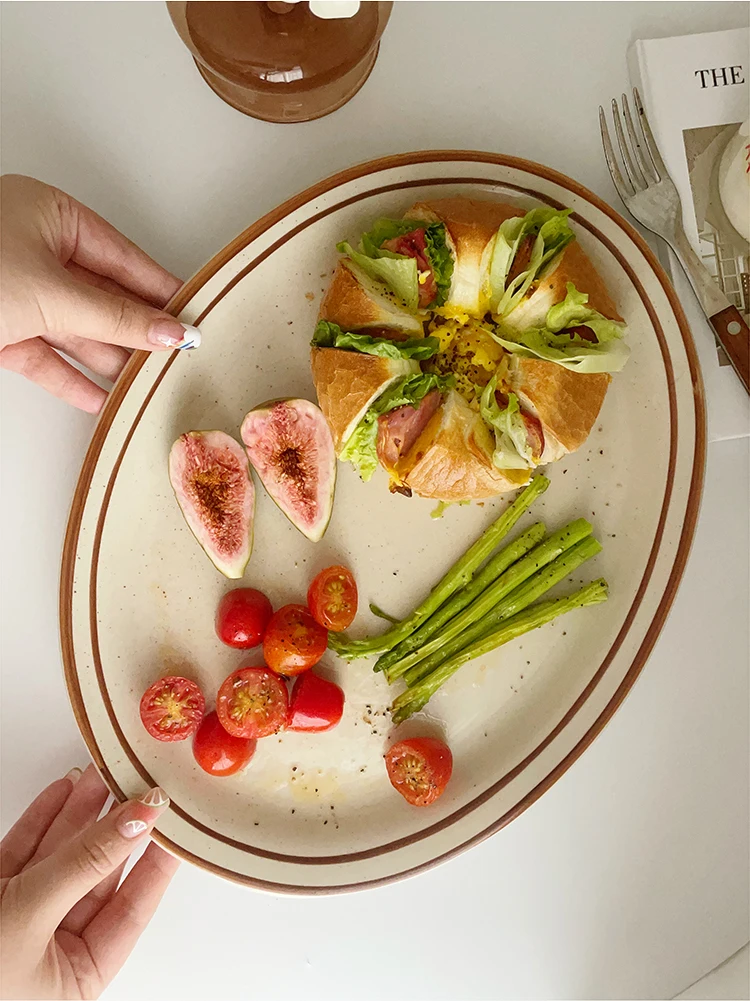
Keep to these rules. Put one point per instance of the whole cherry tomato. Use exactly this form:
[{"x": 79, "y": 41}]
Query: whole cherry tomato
[
  {"x": 218, "y": 752},
  {"x": 316, "y": 704},
  {"x": 242, "y": 617},
  {"x": 294, "y": 641},
  {"x": 172, "y": 708},
  {"x": 332, "y": 598},
  {"x": 419, "y": 768}
]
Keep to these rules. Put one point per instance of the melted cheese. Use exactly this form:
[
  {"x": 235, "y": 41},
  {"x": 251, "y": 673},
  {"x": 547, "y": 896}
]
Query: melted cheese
[{"x": 416, "y": 453}]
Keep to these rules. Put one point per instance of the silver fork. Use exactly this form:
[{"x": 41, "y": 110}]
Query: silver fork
[{"x": 651, "y": 197}]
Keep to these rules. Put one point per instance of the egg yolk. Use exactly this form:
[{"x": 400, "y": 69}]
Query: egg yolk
[{"x": 468, "y": 352}]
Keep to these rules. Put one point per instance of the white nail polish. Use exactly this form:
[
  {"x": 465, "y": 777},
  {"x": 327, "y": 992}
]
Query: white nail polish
[
  {"x": 192, "y": 338},
  {"x": 155, "y": 798},
  {"x": 132, "y": 828}
]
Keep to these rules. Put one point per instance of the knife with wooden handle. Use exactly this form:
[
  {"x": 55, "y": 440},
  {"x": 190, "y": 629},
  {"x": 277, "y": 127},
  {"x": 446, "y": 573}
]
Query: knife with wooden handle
[{"x": 731, "y": 330}]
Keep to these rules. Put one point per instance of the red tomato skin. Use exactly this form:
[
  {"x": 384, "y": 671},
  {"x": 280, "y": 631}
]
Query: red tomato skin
[
  {"x": 242, "y": 617},
  {"x": 154, "y": 708},
  {"x": 274, "y": 700},
  {"x": 317, "y": 705},
  {"x": 218, "y": 752},
  {"x": 435, "y": 762},
  {"x": 294, "y": 641},
  {"x": 333, "y": 609}
]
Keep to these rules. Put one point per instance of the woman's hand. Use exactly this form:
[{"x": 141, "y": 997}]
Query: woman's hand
[
  {"x": 66, "y": 927},
  {"x": 73, "y": 285}
]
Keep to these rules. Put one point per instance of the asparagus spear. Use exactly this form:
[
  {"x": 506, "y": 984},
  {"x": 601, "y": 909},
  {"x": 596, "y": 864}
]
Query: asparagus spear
[
  {"x": 376, "y": 610},
  {"x": 540, "y": 556},
  {"x": 491, "y": 571},
  {"x": 459, "y": 575},
  {"x": 414, "y": 699},
  {"x": 515, "y": 602}
]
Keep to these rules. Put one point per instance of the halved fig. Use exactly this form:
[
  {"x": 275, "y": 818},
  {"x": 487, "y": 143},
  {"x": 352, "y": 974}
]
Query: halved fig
[
  {"x": 290, "y": 446},
  {"x": 210, "y": 476}
]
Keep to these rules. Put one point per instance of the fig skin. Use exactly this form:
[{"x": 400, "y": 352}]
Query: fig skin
[
  {"x": 211, "y": 479},
  {"x": 289, "y": 444}
]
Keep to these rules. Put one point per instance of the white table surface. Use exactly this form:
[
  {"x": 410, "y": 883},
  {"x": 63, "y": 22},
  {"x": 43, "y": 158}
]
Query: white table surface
[{"x": 629, "y": 878}]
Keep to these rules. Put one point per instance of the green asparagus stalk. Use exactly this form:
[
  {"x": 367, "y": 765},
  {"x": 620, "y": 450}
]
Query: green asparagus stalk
[
  {"x": 457, "y": 577},
  {"x": 376, "y": 610},
  {"x": 539, "y": 557},
  {"x": 518, "y": 599},
  {"x": 414, "y": 699},
  {"x": 490, "y": 572}
]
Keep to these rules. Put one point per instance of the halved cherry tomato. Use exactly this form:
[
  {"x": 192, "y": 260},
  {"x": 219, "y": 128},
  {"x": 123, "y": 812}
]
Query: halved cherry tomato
[
  {"x": 294, "y": 641},
  {"x": 242, "y": 617},
  {"x": 172, "y": 708},
  {"x": 252, "y": 703},
  {"x": 316, "y": 704},
  {"x": 419, "y": 768},
  {"x": 218, "y": 752},
  {"x": 332, "y": 598}
]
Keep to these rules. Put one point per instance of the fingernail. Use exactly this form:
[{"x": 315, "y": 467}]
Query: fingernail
[
  {"x": 132, "y": 828},
  {"x": 191, "y": 340},
  {"x": 156, "y": 798},
  {"x": 139, "y": 814},
  {"x": 173, "y": 334},
  {"x": 73, "y": 775}
]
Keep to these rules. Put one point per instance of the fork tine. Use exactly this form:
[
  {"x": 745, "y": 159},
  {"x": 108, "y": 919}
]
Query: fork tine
[
  {"x": 647, "y": 169},
  {"x": 609, "y": 156},
  {"x": 648, "y": 135},
  {"x": 635, "y": 176}
]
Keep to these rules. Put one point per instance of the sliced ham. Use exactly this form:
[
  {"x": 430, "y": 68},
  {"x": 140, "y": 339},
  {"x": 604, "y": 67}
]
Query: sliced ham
[
  {"x": 532, "y": 424},
  {"x": 522, "y": 258},
  {"x": 414, "y": 245},
  {"x": 583, "y": 331},
  {"x": 399, "y": 429},
  {"x": 534, "y": 434}
]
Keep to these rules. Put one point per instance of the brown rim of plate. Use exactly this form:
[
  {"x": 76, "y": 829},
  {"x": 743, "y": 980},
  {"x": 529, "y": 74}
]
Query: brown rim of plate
[{"x": 118, "y": 394}]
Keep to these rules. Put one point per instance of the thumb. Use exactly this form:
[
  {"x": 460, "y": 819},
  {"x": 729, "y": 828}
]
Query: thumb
[
  {"x": 98, "y": 315},
  {"x": 52, "y": 887}
]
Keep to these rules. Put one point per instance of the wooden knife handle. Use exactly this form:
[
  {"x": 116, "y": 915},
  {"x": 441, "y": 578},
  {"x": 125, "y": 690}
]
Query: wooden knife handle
[{"x": 734, "y": 337}]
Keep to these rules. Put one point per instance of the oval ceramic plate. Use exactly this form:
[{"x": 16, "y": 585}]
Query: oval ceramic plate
[{"x": 317, "y": 813}]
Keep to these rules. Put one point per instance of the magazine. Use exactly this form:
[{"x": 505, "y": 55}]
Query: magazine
[{"x": 696, "y": 89}]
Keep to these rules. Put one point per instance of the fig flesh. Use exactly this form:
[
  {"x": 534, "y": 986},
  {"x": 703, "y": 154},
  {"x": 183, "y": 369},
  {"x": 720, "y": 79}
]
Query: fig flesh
[
  {"x": 211, "y": 479},
  {"x": 290, "y": 446}
]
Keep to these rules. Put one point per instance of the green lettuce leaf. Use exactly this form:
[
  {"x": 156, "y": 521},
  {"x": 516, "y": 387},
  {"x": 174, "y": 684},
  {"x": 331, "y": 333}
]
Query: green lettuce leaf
[
  {"x": 512, "y": 449},
  {"x": 398, "y": 272},
  {"x": 441, "y": 260},
  {"x": 552, "y": 234},
  {"x": 388, "y": 229},
  {"x": 330, "y": 335},
  {"x": 360, "y": 447},
  {"x": 574, "y": 311},
  {"x": 554, "y": 343}
]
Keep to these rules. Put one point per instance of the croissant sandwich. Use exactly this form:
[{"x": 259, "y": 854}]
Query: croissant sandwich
[{"x": 464, "y": 345}]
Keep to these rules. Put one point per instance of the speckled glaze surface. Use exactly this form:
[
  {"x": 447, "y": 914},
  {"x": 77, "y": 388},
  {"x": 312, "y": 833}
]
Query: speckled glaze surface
[{"x": 138, "y": 596}]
